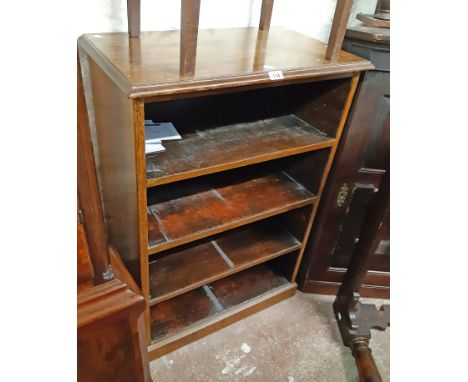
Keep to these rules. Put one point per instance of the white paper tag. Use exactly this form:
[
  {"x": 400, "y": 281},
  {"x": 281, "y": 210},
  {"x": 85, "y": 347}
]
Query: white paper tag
[{"x": 276, "y": 75}]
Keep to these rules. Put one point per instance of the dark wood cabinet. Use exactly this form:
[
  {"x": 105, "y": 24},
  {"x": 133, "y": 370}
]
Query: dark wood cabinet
[{"x": 361, "y": 161}]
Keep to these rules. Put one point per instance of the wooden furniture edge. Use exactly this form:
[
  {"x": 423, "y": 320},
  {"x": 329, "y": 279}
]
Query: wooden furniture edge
[
  {"x": 105, "y": 64},
  {"x": 349, "y": 100},
  {"x": 239, "y": 163},
  {"x": 104, "y": 300},
  {"x": 195, "y": 86},
  {"x": 290, "y": 76},
  {"x": 331, "y": 288},
  {"x": 231, "y": 225},
  {"x": 220, "y": 321}
]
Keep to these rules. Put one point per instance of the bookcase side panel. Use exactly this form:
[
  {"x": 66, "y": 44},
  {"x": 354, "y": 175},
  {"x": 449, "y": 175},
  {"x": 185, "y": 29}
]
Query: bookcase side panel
[
  {"x": 342, "y": 115},
  {"x": 114, "y": 123}
]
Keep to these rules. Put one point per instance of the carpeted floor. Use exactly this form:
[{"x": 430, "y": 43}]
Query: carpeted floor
[{"x": 294, "y": 341}]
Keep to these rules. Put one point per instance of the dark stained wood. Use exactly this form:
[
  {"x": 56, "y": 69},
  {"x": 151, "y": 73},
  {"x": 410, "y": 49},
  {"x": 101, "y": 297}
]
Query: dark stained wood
[
  {"x": 113, "y": 114},
  {"x": 190, "y": 13},
  {"x": 137, "y": 79},
  {"x": 340, "y": 22},
  {"x": 357, "y": 173},
  {"x": 365, "y": 363},
  {"x": 202, "y": 209},
  {"x": 233, "y": 146},
  {"x": 88, "y": 190},
  {"x": 355, "y": 319},
  {"x": 265, "y": 14},
  {"x": 339, "y": 131},
  {"x": 110, "y": 345},
  {"x": 230, "y": 253},
  {"x": 221, "y": 58},
  {"x": 133, "y": 17},
  {"x": 243, "y": 286},
  {"x": 219, "y": 321},
  {"x": 181, "y": 312},
  {"x": 84, "y": 268}
]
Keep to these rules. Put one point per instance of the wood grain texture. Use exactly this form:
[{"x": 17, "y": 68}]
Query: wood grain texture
[
  {"x": 340, "y": 22},
  {"x": 88, "y": 190},
  {"x": 181, "y": 312},
  {"x": 232, "y": 146},
  {"x": 201, "y": 209},
  {"x": 225, "y": 58},
  {"x": 84, "y": 267},
  {"x": 227, "y": 254},
  {"x": 110, "y": 345},
  {"x": 113, "y": 113}
]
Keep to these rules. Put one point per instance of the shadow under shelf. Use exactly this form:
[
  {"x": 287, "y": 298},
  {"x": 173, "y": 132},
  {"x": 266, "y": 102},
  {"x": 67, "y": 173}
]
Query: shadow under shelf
[
  {"x": 177, "y": 272},
  {"x": 231, "y": 146}
]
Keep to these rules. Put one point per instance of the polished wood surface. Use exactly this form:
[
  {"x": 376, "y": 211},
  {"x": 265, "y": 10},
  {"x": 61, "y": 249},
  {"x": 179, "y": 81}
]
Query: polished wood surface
[
  {"x": 111, "y": 344},
  {"x": 88, "y": 191},
  {"x": 111, "y": 333},
  {"x": 84, "y": 267},
  {"x": 148, "y": 66},
  {"x": 173, "y": 274},
  {"x": 200, "y": 209},
  {"x": 232, "y": 146},
  {"x": 113, "y": 114}
]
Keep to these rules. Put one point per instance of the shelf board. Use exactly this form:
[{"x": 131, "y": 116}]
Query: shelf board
[
  {"x": 233, "y": 252},
  {"x": 200, "y": 306},
  {"x": 232, "y": 146},
  {"x": 194, "y": 211}
]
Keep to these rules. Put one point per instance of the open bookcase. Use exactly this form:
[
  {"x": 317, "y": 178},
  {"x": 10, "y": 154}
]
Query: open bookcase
[{"x": 214, "y": 228}]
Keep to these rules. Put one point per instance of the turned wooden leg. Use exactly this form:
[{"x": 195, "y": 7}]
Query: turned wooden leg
[
  {"x": 365, "y": 363},
  {"x": 133, "y": 16}
]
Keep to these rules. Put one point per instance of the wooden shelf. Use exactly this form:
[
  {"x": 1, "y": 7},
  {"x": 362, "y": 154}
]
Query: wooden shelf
[
  {"x": 206, "y": 303},
  {"x": 235, "y": 251},
  {"x": 232, "y": 146},
  {"x": 194, "y": 211}
]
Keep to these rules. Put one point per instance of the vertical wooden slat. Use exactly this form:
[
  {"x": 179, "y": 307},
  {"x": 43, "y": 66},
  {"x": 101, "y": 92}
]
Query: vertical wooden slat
[
  {"x": 88, "y": 190},
  {"x": 265, "y": 14},
  {"x": 190, "y": 14},
  {"x": 133, "y": 16},
  {"x": 340, "y": 22},
  {"x": 260, "y": 51}
]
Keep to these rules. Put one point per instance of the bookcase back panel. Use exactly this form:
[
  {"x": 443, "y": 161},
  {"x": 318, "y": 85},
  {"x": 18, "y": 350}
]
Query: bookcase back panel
[{"x": 315, "y": 102}]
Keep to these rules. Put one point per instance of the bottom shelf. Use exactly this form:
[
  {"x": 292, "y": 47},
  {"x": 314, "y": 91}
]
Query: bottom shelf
[{"x": 187, "y": 317}]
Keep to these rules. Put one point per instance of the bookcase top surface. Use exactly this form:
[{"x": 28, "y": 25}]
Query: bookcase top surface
[{"x": 151, "y": 66}]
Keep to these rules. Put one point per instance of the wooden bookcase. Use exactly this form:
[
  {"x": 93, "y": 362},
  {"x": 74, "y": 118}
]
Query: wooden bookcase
[{"x": 214, "y": 228}]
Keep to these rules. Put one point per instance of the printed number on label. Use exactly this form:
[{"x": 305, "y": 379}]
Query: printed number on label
[{"x": 276, "y": 75}]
